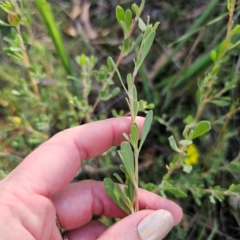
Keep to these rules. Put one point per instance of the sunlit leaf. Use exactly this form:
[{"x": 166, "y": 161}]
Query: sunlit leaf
[
  {"x": 202, "y": 128},
  {"x": 141, "y": 25},
  {"x": 175, "y": 191},
  {"x": 187, "y": 168},
  {"x": 185, "y": 142},
  {"x": 135, "y": 9},
  {"x": 234, "y": 187},
  {"x": 213, "y": 55},
  {"x": 120, "y": 14},
  {"x": 173, "y": 144},
  {"x": 128, "y": 18}
]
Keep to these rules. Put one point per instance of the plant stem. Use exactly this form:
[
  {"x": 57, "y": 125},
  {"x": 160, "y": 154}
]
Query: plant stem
[
  {"x": 220, "y": 136},
  {"x": 85, "y": 93},
  {"x": 210, "y": 191},
  {"x": 27, "y": 64},
  {"x": 25, "y": 55},
  {"x": 136, "y": 156},
  {"x": 211, "y": 82},
  {"x": 119, "y": 60}
]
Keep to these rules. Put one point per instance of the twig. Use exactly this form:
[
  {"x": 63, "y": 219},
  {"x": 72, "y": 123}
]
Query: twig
[
  {"x": 211, "y": 81},
  {"x": 119, "y": 60}
]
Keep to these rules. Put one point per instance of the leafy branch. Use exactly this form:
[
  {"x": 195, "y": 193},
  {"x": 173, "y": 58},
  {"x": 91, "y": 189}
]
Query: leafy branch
[
  {"x": 127, "y": 196},
  {"x": 17, "y": 47},
  {"x": 219, "y": 57}
]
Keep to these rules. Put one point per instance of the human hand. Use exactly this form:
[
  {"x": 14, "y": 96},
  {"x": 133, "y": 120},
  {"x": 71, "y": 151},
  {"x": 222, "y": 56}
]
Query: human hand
[{"x": 38, "y": 190}]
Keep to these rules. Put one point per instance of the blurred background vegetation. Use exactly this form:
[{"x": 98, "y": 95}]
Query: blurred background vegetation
[{"x": 46, "y": 85}]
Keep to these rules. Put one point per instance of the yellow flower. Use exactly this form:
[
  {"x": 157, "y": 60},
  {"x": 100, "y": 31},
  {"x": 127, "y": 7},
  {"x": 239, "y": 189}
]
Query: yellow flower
[
  {"x": 192, "y": 156},
  {"x": 17, "y": 120}
]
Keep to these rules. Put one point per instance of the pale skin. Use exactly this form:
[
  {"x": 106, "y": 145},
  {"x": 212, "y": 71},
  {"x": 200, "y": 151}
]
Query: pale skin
[{"x": 39, "y": 189}]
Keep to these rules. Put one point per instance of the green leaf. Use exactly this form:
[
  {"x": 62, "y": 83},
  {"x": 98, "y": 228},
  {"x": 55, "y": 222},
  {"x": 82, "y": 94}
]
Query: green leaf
[
  {"x": 141, "y": 25},
  {"x": 135, "y": 109},
  {"x": 185, "y": 142},
  {"x": 4, "y": 24},
  {"x": 129, "y": 81},
  {"x": 123, "y": 169},
  {"x": 212, "y": 199},
  {"x": 131, "y": 190},
  {"x": 173, "y": 144},
  {"x": 142, "y": 6},
  {"x": 126, "y": 45},
  {"x": 213, "y": 55},
  {"x": 234, "y": 167},
  {"x": 234, "y": 187},
  {"x": 116, "y": 175},
  {"x": 115, "y": 194},
  {"x": 235, "y": 30},
  {"x": 175, "y": 159},
  {"x": 6, "y": 6},
  {"x": 52, "y": 27},
  {"x": 220, "y": 197},
  {"x": 118, "y": 73},
  {"x": 221, "y": 103},
  {"x": 229, "y": 4},
  {"x": 146, "y": 49},
  {"x": 126, "y": 155},
  {"x": 109, "y": 63},
  {"x": 136, "y": 43},
  {"x": 187, "y": 168},
  {"x": 155, "y": 26},
  {"x": 134, "y": 134},
  {"x": 127, "y": 138},
  {"x": 115, "y": 92},
  {"x": 124, "y": 27},
  {"x": 14, "y": 54},
  {"x": 146, "y": 127},
  {"x": 135, "y": 9},
  {"x": 119, "y": 14},
  {"x": 134, "y": 93},
  {"x": 186, "y": 131},
  {"x": 202, "y": 128},
  {"x": 175, "y": 191},
  {"x": 223, "y": 46},
  {"x": 128, "y": 18}
]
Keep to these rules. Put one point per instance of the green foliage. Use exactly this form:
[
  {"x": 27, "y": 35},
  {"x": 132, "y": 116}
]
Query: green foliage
[
  {"x": 130, "y": 150},
  {"x": 187, "y": 70},
  {"x": 53, "y": 30}
]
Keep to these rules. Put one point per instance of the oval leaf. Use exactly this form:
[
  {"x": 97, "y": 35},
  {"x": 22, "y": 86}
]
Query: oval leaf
[
  {"x": 126, "y": 155},
  {"x": 119, "y": 14},
  {"x": 115, "y": 193},
  {"x": 202, "y": 128},
  {"x": 176, "y": 192},
  {"x": 173, "y": 144}
]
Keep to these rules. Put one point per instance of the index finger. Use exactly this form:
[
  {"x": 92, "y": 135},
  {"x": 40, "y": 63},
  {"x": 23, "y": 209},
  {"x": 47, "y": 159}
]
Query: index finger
[{"x": 55, "y": 163}]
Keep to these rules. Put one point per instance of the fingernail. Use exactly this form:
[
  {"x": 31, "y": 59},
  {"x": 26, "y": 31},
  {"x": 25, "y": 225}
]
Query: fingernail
[{"x": 156, "y": 225}]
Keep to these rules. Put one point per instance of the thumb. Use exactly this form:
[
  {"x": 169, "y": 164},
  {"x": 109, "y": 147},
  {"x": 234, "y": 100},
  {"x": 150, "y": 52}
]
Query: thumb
[{"x": 143, "y": 225}]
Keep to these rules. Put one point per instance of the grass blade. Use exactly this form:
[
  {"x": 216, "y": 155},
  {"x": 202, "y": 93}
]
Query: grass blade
[{"x": 48, "y": 18}]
